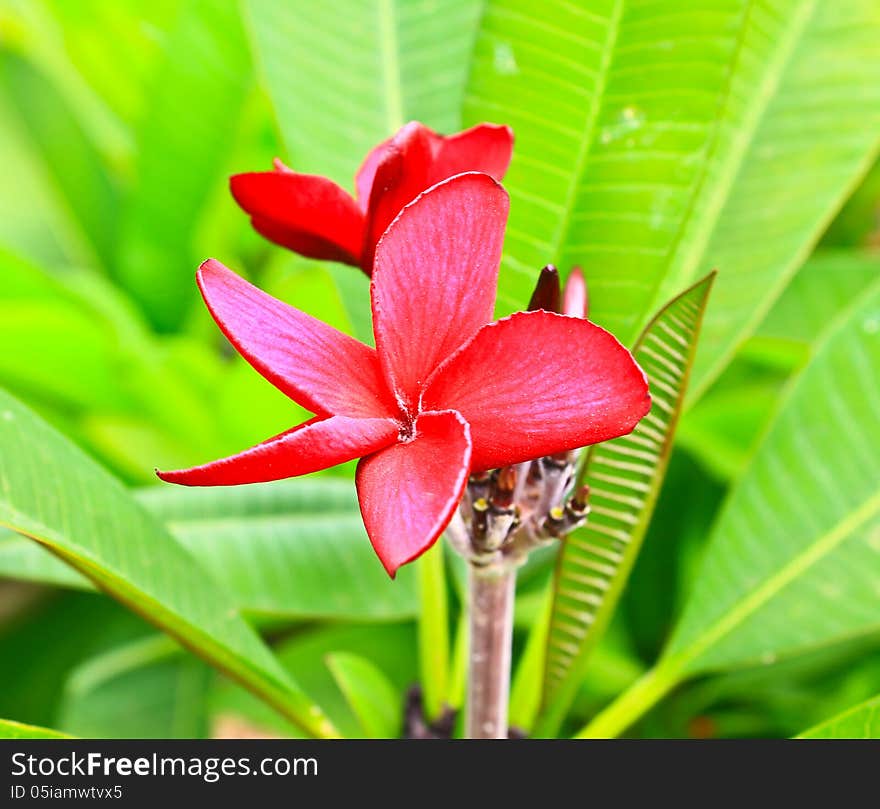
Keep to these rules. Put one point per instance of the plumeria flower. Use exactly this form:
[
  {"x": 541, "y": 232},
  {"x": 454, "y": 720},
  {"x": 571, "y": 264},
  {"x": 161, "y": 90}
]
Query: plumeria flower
[
  {"x": 445, "y": 392},
  {"x": 313, "y": 216}
]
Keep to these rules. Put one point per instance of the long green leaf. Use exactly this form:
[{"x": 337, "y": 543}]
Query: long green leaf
[
  {"x": 722, "y": 429},
  {"x": 293, "y": 549},
  {"x": 655, "y": 141},
  {"x": 78, "y": 171},
  {"x": 625, "y": 476},
  {"x": 860, "y": 722},
  {"x": 343, "y": 82},
  {"x": 53, "y": 493},
  {"x": 792, "y": 562},
  {"x": 16, "y": 730},
  {"x": 182, "y": 147},
  {"x": 371, "y": 696}
]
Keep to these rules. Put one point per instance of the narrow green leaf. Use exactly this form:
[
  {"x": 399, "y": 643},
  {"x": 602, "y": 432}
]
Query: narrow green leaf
[
  {"x": 374, "y": 700},
  {"x": 459, "y": 665},
  {"x": 53, "y": 493},
  {"x": 16, "y": 730},
  {"x": 655, "y": 143},
  {"x": 182, "y": 146},
  {"x": 528, "y": 681},
  {"x": 341, "y": 83},
  {"x": 433, "y": 621},
  {"x": 860, "y": 722},
  {"x": 792, "y": 561},
  {"x": 625, "y": 476}
]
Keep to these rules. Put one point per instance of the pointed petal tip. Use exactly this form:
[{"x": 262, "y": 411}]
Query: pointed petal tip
[
  {"x": 392, "y": 565},
  {"x": 210, "y": 270}
]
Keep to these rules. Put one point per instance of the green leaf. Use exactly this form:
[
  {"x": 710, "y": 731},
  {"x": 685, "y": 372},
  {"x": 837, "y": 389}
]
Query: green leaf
[
  {"x": 624, "y": 476},
  {"x": 792, "y": 562},
  {"x": 389, "y": 647},
  {"x": 373, "y": 699},
  {"x": 723, "y": 428},
  {"x": 78, "y": 171},
  {"x": 61, "y": 354},
  {"x": 860, "y": 722},
  {"x": 825, "y": 286},
  {"x": 433, "y": 623},
  {"x": 528, "y": 681},
  {"x": 655, "y": 143},
  {"x": 53, "y": 493},
  {"x": 145, "y": 689},
  {"x": 42, "y": 642},
  {"x": 113, "y": 47},
  {"x": 16, "y": 730},
  {"x": 341, "y": 83},
  {"x": 183, "y": 142},
  {"x": 292, "y": 549}
]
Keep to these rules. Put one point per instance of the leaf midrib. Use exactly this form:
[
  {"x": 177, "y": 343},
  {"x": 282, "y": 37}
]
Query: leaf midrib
[
  {"x": 391, "y": 75},
  {"x": 680, "y": 659},
  {"x": 696, "y": 231},
  {"x": 586, "y": 145},
  {"x": 798, "y": 565}
]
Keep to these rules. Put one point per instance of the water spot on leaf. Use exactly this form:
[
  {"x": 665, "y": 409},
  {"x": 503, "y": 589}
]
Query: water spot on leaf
[
  {"x": 504, "y": 60},
  {"x": 628, "y": 121}
]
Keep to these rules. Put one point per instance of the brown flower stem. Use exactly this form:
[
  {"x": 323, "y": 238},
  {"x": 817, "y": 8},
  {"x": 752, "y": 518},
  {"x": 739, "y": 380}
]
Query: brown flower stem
[{"x": 491, "y": 593}]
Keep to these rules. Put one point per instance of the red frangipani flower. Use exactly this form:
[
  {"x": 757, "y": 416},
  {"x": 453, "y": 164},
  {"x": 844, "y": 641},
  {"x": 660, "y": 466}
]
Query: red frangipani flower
[
  {"x": 313, "y": 216},
  {"x": 444, "y": 393}
]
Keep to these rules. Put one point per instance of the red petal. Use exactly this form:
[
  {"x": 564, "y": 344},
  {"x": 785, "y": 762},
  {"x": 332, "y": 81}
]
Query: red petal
[
  {"x": 322, "y": 369},
  {"x": 486, "y": 147},
  {"x": 317, "y": 444},
  {"x": 409, "y": 492},
  {"x": 537, "y": 383},
  {"x": 434, "y": 278},
  {"x": 308, "y": 214},
  {"x": 363, "y": 180},
  {"x": 401, "y": 173}
]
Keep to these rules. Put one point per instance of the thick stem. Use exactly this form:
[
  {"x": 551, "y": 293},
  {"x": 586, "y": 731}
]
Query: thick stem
[{"x": 491, "y": 592}]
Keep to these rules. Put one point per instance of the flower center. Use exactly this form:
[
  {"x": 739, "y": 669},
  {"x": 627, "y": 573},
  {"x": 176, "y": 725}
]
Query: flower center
[{"x": 406, "y": 428}]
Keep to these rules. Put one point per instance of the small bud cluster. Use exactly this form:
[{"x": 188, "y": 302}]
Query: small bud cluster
[{"x": 508, "y": 512}]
